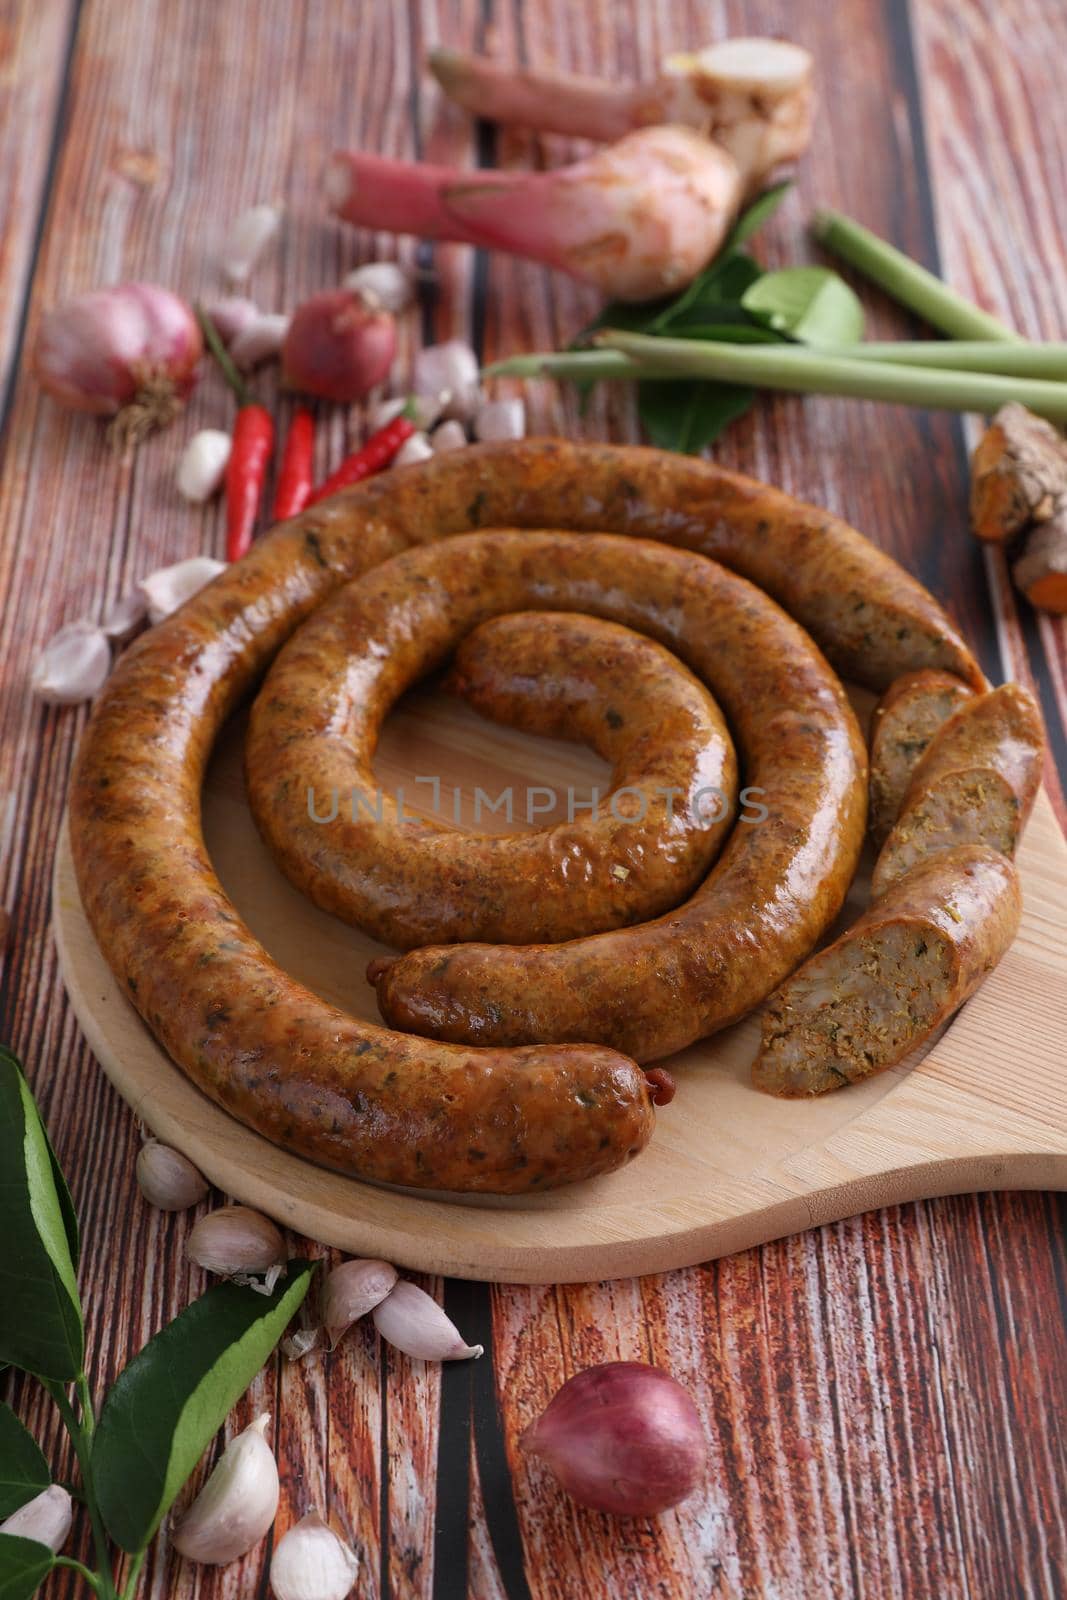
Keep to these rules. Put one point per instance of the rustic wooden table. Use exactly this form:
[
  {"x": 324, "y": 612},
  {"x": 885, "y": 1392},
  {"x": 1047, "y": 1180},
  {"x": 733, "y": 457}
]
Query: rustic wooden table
[{"x": 884, "y": 1397}]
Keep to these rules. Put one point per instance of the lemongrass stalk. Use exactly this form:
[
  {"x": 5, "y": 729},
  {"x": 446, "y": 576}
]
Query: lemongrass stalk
[
  {"x": 983, "y": 355},
  {"x": 576, "y": 364},
  {"x": 904, "y": 280},
  {"x": 806, "y": 371}
]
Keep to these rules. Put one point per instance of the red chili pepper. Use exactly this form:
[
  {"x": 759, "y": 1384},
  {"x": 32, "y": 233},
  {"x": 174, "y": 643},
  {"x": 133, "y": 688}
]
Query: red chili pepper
[
  {"x": 294, "y": 476},
  {"x": 371, "y": 457},
  {"x": 253, "y": 442}
]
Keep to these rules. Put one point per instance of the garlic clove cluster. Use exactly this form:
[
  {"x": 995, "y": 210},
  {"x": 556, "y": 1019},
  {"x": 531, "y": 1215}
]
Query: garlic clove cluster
[
  {"x": 46, "y": 1518},
  {"x": 237, "y": 1505},
  {"x": 384, "y": 285},
  {"x": 412, "y": 1320},
  {"x": 260, "y": 340},
  {"x": 168, "y": 1179},
  {"x": 170, "y": 587},
  {"x": 124, "y": 616},
  {"x": 235, "y": 1241},
  {"x": 310, "y": 1562}
]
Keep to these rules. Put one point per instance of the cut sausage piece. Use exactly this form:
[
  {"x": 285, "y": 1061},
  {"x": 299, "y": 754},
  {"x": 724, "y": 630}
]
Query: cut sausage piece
[
  {"x": 1018, "y": 474},
  {"x": 904, "y": 721},
  {"x": 782, "y": 877},
  {"x": 877, "y": 993},
  {"x": 360, "y": 854},
  {"x": 976, "y": 784}
]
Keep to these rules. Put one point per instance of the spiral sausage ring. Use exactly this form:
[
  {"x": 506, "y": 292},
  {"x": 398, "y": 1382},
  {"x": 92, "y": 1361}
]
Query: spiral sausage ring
[{"x": 399, "y": 1108}]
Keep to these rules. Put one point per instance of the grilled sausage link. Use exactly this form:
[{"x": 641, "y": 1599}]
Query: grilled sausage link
[
  {"x": 904, "y": 721},
  {"x": 874, "y": 995},
  {"x": 976, "y": 783},
  {"x": 360, "y": 854},
  {"x": 780, "y": 881},
  {"x": 345, "y": 1094}
]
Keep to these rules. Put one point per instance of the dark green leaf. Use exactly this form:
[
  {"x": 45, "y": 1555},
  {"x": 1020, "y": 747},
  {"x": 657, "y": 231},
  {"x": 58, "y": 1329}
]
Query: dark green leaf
[
  {"x": 756, "y": 215},
  {"x": 173, "y": 1397},
  {"x": 687, "y": 415},
  {"x": 23, "y": 1469},
  {"x": 721, "y": 284},
  {"x": 66, "y": 1204},
  {"x": 24, "y": 1564},
  {"x": 811, "y": 304},
  {"x": 40, "y": 1313},
  {"x": 744, "y": 332}
]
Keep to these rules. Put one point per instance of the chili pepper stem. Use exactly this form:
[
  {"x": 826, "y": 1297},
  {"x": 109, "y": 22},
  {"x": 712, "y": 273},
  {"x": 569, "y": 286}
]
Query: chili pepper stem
[{"x": 214, "y": 343}]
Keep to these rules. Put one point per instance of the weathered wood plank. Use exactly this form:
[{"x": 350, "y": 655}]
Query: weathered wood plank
[{"x": 881, "y": 1396}]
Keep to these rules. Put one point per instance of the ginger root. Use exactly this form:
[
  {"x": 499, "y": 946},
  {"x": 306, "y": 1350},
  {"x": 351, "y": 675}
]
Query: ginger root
[{"x": 1018, "y": 474}]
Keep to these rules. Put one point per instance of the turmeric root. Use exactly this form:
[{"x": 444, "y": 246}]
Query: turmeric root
[
  {"x": 1018, "y": 474},
  {"x": 1041, "y": 570}
]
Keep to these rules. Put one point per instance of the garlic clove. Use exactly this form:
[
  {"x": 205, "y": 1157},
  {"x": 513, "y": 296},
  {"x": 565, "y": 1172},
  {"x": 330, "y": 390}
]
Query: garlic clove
[
  {"x": 450, "y": 368},
  {"x": 350, "y": 1291},
  {"x": 202, "y": 465},
  {"x": 262, "y": 340},
  {"x": 501, "y": 419},
  {"x": 310, "y": 1562},
  {"x": 412, "y": 1320},
  {"x": 73, "y": 666},
  {"x": 124, "y": 616},
  {"x": 235, "y": 1240},
  {"x": 168, "y": 1179},
  {"x": 415, "y": 448},
  {"x": 247, "y": 239},
  {"x": 170, "y": 587},
  {"x": 450, "y": 435},
  {"x": 231, "y": 315},
  {"x": 237, "y": 1505},
  {"x": 385, "y": 285},
  {"x": 46, "y": 1518}
]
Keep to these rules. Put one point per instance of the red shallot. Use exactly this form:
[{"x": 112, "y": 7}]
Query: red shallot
[
  {"x": 128, "y": 352},
  {"x": 623, "y": 1437},
  {"x": 637, "y": 219},
  {"x": 337, "y": 346}
]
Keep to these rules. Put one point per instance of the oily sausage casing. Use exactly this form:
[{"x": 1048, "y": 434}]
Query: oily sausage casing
[
  {"x": 355, "y": 1097},
  {"x": 781, "y": 880},
  {"x": 357, "y": 850}
]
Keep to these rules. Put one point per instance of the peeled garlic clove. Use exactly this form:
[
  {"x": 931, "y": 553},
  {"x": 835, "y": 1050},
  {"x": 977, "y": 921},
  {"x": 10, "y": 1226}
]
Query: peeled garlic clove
[
  {"x": 385, "y": 285},
  {"x": 262, "y": 340},
  {"x": 235, "y": 1240},
  {"x": 450, "y": 435},
  {"x": 350, "y": 1291},
  {"x": 167, "y": 1178},
  {"x": 170, "y": 587},
  {"x": 237, "y": 1504},
  {"x": 73, "y": 666},
  {"x": 46, "y": 1518},
  {"x": 312, "y": 1563},
  {"x": 202, "y": 465},
  {"x": 231, "y": 315},
  {"x": 415, "y": 448},
  {"x": 412, "y": 1320},
  {"x": 247, "y": 239},
  {"x": 450, "y": 368},
  {"x": 501, "y": 419},
  {"x": 125, "y": 615}
]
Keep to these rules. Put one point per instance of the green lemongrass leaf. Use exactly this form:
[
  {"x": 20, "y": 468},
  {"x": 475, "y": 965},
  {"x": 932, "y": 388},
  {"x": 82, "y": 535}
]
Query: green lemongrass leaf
[
  {"x": 687, "y": 416},
  {"x": 754, "y": 216},
  {"x": 171, "y": 1400},
  {"x": 811, "y": 304},
  {"x": 40, "y": 1312},
  {"x": 66, "y": 1204},
  {"x": 23, "y": 1469},
  {"x": 24, "y": 1565}
]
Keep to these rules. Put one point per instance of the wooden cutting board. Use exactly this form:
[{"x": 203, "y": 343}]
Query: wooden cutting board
[{"x": 728, "y": 1168}]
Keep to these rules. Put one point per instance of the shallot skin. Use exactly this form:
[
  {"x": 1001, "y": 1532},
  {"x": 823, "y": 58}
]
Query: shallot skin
[
  {"x": 95, "y": 353},
  {"x": 623, "y": 1437},
  {"x": 337, "y": 346}
]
